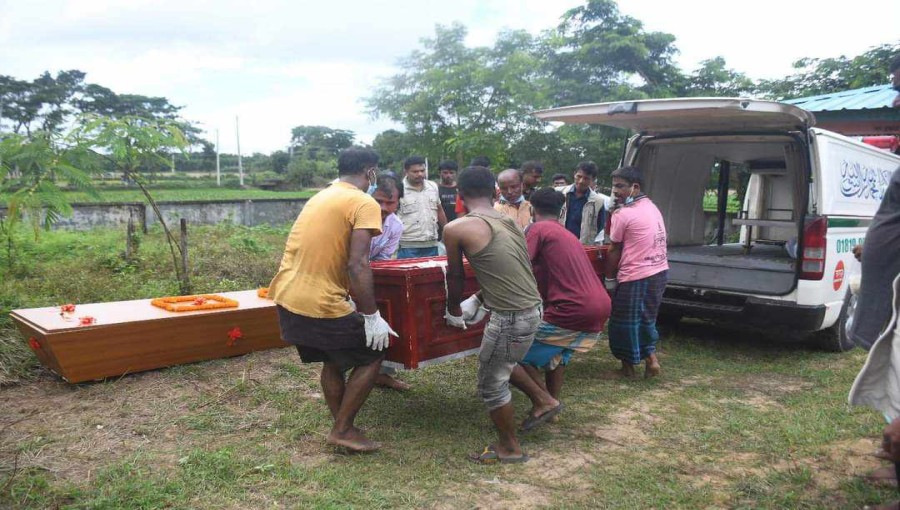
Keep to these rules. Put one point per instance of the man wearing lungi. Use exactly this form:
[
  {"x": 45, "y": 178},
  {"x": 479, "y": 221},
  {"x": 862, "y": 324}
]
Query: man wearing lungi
[
  {"x": 495, "y": 248},
  {"x": 638, "y": 260},
  {"x": 576, "y": 304},
  {"x": 327, "y": 256}
]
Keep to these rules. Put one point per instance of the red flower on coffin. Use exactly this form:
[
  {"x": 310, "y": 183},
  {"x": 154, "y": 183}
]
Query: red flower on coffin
[
  {"x": 87, "y": 320},
  {"x": 67, "y": 308},
  {"x": 34, "y": 344},
  {"x": 233, "y": 336},
  {"x": 199, "y": 301}
]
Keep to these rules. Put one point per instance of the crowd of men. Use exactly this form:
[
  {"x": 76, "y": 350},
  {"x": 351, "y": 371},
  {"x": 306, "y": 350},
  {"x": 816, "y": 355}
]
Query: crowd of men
[{"x": 542, "y": 298}]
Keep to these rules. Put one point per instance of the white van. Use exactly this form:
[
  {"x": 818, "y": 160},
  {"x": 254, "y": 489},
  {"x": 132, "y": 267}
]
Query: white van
[{"x": 810, "y": 195}]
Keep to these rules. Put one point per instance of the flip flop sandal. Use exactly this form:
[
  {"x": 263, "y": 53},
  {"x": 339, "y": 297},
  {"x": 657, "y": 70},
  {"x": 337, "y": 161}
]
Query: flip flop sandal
[
  {"x": 533, "y": 422},
  {"x": 490, "y": 456}
]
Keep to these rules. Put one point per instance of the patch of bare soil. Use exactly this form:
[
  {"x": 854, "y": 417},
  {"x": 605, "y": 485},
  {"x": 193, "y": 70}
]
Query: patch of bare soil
[{"x": 74, "y": 430}]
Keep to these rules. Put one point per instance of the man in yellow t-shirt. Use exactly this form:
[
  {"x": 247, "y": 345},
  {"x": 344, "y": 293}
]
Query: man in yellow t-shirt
[{"x": 327, "y": 258}]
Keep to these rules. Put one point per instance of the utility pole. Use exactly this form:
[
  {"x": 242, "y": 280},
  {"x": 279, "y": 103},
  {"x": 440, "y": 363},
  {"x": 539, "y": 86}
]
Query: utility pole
[
  {"x": 218, "y": 172},
  {"x": 237, "y": 130}
]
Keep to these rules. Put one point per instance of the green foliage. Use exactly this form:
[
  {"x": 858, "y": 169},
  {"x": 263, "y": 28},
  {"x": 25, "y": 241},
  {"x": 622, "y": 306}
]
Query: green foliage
[
  {"x": 596, "y": 53},
  {"x": 713, "y": 78},
  {"x": 319, "y": 142},
  {"x": 816, "y": 76},
  {"x": 30, "y": 172},
  {"x": 307, "y": 173},
  {"x": 458, "y": 102}
]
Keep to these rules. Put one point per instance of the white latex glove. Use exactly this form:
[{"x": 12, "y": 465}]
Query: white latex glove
[
  {"x": 378, "y": 332},
  {"x": 351, "y": 303},
  {"x": 472, "y": 310},
  {"x": 454, "y": 321}
]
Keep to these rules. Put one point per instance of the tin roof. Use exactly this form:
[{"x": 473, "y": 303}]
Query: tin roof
[{"x": 866, "y": 98}]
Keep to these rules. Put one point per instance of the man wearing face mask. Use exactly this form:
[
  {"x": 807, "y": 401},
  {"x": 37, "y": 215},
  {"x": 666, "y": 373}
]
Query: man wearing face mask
[
  {"x": 511, "y": 202},
  {"x": 638, "y": 259},
  {"x": 326, "y": 257},
  {"x": 584, "y": 213}
]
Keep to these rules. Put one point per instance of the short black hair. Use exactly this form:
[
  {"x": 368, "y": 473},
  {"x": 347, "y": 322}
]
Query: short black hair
[
  {"x": 560, "y": 176},
  {"x": 588, "y": 168},
  {"x": 387, "y": 182},
  {"x": 476, "y": 182},
  {"x": 630, "y": 174},
  {"x": 895, "y": 64},
  {"x": 547, "y": 201},
  {"x": 355, "y": 160},
  {"x": 448, "y": 164},
  {"x": 413, "y": 160},
  {"x": 532, "y": 167},
  {"x": 482, "y": 161}
]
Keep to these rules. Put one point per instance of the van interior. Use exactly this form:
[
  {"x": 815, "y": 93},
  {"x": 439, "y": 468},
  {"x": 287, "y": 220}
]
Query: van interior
[{"x": 754, "y": 251}]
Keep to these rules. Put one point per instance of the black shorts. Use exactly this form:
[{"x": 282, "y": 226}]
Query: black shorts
[{"x": 341, "y": 341}]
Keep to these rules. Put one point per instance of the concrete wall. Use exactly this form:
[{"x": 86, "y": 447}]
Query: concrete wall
[{"x": 240, "y": 212}]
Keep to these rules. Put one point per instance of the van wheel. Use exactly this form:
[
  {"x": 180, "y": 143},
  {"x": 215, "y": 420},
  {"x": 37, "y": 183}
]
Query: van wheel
[{"x": 837, "y": 337}]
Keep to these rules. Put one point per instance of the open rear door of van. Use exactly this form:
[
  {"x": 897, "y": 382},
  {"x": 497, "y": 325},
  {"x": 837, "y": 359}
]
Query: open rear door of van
[
  {"x": 681, "y": 142},
  {"x": 655, "y": 117}
]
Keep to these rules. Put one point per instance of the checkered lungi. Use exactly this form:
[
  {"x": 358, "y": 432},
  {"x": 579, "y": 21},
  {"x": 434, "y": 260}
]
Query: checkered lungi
[{"x": 632, "y": 324}]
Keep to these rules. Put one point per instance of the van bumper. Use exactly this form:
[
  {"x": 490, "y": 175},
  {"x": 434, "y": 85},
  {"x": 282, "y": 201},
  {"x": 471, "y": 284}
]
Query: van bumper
[{"x": 766, "y": 313}]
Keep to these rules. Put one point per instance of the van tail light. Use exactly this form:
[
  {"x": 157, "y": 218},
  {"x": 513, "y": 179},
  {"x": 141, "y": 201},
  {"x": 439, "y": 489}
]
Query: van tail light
[{"x": 812, "y": 263}]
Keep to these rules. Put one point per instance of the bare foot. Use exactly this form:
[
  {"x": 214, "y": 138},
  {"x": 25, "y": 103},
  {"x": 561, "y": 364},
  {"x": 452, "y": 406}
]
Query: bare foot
[
  {"x": 391, "y": 382},
  {"x": 353, "y": 440},
  {"x": 652, "y": 368},
  {"x": 627, "y": 371}
]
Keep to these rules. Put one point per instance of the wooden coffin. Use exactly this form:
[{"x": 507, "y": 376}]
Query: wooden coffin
[
  {"x": 411, "y": 295},
  {"x": 132, "y": 336}
]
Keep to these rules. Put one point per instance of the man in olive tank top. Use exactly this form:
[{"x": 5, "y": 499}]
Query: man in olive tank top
[{"x": 495, "y": 248}]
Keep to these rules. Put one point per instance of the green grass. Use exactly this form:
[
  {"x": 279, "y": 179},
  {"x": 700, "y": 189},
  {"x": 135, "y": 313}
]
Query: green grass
[
  {"x": 181, "y": 195},
  {"x": 738, "y": 419},
  {"x": 710, "y": 203}
]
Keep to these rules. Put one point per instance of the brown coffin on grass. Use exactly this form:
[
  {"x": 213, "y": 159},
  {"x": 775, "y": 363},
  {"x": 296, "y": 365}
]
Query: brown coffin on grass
[{"x": 132, "y": 336}]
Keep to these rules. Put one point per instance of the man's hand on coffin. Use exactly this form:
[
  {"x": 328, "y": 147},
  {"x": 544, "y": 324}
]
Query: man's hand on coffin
[
  {"x": 472, "y": 310},
  {"x": 378, "y": 332},
  {"x": 456, "y": 321}
]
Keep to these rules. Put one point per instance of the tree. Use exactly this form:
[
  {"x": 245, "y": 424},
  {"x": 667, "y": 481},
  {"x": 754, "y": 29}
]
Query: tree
[
  {"x": 816, "y": 76},
  {"x": 320, "y": 141},
  {"x": 42, "y": 104},
  {"x": 30, "y": 172},
  {"x": 131, "y": 143},
  {"x": 597, "y": 53},
  {"x": 393, "y": 147},
  {"x": 713, "y": 78},
  {"x": 461, "y": 102},
  {"x": 280, "y": 161}
]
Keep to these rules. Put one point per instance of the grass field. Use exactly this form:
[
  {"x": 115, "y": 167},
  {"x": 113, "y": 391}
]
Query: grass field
[
  {"x": 738, "y": 419},
  {"x": 181, "y": 195}
]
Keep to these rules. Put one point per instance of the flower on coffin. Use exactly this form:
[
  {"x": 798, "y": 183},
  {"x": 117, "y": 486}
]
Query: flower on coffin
[
  {"x": 87, "y": 320},
  {"x": 263, "y": 293},
  {"x": 233, "y": 336},
  {"x": 34, "y": 344},
  {"x": 67, "y": 308},
  {"x": 191, "y": 303}
]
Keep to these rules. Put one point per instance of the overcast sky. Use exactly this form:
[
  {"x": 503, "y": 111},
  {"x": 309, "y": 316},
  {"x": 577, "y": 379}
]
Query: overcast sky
[{"x": 282, "y": 64}]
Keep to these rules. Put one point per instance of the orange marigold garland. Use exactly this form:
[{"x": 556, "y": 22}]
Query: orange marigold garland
[
  {"x": 263, "y": 293},
  {"x": 192, "y": 303}
]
